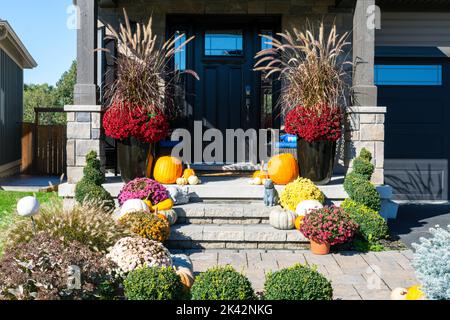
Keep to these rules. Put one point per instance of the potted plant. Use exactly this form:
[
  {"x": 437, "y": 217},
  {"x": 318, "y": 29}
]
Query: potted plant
[
  {"x": 326, "y": 227},
  {"x": 311, "y": 66},
  {"x": 141, "y": 97}
]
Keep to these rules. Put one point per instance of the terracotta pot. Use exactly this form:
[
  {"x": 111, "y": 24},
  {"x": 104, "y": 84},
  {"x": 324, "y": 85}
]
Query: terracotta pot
[{"x": 320, "y": 248}]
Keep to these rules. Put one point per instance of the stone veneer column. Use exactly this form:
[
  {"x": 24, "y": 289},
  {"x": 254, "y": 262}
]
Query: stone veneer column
[
  {"x": 365, "y": 129},
  {"x": 83, "y": 136},
  {"x": 84, "y": 118}
]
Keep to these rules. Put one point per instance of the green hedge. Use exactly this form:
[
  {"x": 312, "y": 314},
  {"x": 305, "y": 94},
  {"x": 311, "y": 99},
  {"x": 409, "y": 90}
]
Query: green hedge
[
  {"x": 222, "y": 283},
  {"x": 154, "y": 284},
  {"x": 372, "y": 226},
  {"x": 299, "y": 282}
]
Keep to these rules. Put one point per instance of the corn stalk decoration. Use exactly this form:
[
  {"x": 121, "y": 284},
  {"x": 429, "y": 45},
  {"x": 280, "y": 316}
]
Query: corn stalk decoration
[
  {"x": 145, "y": 77},
  {"x": 310, "y": 63}
]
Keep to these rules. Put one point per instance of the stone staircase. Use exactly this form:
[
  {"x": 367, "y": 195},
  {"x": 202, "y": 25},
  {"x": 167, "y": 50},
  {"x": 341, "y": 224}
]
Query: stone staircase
[{"x": 230, "y": 224}]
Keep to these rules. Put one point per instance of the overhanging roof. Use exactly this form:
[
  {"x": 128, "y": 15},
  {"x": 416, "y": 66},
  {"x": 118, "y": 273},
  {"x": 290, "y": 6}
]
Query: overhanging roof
[{"x": 14, "y": 48}]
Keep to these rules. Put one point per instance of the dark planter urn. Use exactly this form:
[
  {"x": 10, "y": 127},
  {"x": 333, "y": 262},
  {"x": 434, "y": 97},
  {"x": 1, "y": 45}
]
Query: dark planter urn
[
  {"x": 316, "y": 160},
  {"x": 133, "y": 158}
]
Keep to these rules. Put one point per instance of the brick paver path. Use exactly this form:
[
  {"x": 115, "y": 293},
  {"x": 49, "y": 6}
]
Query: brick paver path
[{"x": 367, "y": 276}]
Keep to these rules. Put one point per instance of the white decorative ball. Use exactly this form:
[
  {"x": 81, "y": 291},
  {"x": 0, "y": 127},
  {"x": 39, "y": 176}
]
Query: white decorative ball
[
  {"x": 306, "y": 206},
  {"x": 133, "y": 205},
  {"x": 28, "y": 207}
]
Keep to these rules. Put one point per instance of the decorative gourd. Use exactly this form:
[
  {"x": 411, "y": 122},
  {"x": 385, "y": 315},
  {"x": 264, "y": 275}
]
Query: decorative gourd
[
  {"x": 298, "y": 222},
  {"x": 399, "y": 294},
  {"x": 256, "y": 181},
  {"x": 133, "y": 205},
  {"x": 28, "y": 207},
  {"x": 261, "y": 174},
  {"x": 189, "y": 172},
  {"x": 182, "y": 181},
  {"x": 415, "y": 293},
  {"x": 163, "y": 205},
  {"x": 186, "y": 276},
  {"x": 149, "y": 204},
  {"x": 307, "y": 206},
  {"x": 169, "y": 215},
  {"x": 283, "y": 168},
  {"x": 194, "y": 180},
  {"x": 168, "y": 170},
  {"x": 282, "y": 219}
]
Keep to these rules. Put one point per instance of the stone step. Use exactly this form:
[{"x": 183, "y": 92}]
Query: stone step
[
  {"x": 223, "y": 212},
  {"x": 233, "y": 236}
]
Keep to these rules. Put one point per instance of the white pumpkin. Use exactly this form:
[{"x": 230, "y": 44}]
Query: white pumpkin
[
  {"x": 182, "y": 181},
  {"x": 194, "y": 180},
  {"x": 133, "y": 205},
  {"x": 282, "y": 219},
  {"x": 399, "y": 294},
  {"x": 170, "y": 215},
  {"x": 304, "y": 207},
  {"x": 28, "y": 207}
]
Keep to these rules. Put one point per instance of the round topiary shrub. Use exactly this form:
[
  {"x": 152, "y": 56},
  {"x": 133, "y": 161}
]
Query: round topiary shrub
[
  {"x": 362, "y": 191},
  {"x": 86, "y": 191},
  {"x": 300, "y": 190},
  {"x": 222, "y": 283},
  {"x": 147, "y": 225},
  {"x": 372, "y": 226},
  {"x": 297, "y": 283},
  {"x": 154, "y": 284}
]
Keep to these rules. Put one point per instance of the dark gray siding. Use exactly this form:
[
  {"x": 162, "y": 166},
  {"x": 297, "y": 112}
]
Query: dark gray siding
[{"x": 11, "y": 109}]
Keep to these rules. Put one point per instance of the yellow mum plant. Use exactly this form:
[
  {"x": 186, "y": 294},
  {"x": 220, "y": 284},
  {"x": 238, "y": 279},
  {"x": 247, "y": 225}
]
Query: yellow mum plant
[
  {"x": 147, "y": 225},
  {"x": 300, "y": 190}
]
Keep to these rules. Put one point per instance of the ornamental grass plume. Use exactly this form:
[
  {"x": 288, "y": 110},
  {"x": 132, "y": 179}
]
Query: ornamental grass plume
[
  {"x": 311, "y": 63},
  {"x": 143, "y": 188}
]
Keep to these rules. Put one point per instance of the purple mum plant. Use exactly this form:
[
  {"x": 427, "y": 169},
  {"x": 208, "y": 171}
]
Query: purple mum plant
[{"x": 143, "y": 188}]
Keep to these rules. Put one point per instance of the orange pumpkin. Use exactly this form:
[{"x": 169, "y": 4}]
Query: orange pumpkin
[
  {"x": 186, "y": 277},
  {"x": 283, "y": 168},
  {"x": 298, "y": 222},
  {"x": 189, "y": 172},
  {"x": 168, "y": 170}
]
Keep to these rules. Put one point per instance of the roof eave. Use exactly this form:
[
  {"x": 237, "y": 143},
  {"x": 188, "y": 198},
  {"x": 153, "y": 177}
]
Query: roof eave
[{"x": 7, "y": 34}]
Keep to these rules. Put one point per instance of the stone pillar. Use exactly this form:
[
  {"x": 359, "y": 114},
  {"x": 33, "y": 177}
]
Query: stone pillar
[
  {"x": 365, "y": 120},
  {"x": 84, "y": 118}
]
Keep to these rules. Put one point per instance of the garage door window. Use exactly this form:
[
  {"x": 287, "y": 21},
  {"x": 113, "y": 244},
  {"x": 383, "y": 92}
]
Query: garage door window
[{"x": 408, "y": 75}]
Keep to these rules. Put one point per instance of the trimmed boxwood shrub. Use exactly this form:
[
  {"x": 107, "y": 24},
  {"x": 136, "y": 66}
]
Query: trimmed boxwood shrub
[
  {"x": 222, "y": 283},
  {"x": 154, "y": 284},
  {"x": 363, "y": 166},
  {"x": 372, "y": 226},
  {"x": 300, "y": 282},
  {"x": 362, "y": 191},
  {"x": 90, "y": 189}
]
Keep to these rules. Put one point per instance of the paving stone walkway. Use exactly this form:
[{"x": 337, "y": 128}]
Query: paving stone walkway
[{"x": 354, "y": 276}]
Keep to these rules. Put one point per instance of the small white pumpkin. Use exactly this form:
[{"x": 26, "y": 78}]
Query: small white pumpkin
[
  {"x": 182, "y": 181},
  {"x": 194, "y": 180},
  {"x": 399, "y": 294},
  {"x": 170, "y": 215},
  {"x": 282, "y": 219},
  {"x": 304, "y": 207},
  {"x": 133, "y": 205},
  {"x": 28, "y": 207}
]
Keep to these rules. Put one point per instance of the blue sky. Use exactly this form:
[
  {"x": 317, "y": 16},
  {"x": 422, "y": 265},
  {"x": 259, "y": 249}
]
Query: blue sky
[{"x": 42, "y": 27}]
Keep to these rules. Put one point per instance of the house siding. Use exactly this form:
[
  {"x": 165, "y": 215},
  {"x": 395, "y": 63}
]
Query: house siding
[
  {"x": 11, "y": 109},
  {"x": 412, "y": 29}
]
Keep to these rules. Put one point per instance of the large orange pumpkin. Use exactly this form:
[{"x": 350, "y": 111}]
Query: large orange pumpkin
[
  {"x": 283, "y": 168},
  {"x": 167, "y": 170}
]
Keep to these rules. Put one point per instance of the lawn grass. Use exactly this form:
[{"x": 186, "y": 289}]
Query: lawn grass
[{"x": 8, "y": 201}]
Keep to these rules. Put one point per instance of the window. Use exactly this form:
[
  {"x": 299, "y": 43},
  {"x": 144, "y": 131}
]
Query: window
[
  {"x": 408, "y": 75},
  {"x": 180, "y": 55},
  {"x": 224, "y": 43},
  {"x": 266, "y": 87}
]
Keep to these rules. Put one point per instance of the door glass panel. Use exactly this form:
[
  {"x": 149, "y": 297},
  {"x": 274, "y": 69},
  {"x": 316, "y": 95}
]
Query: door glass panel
[
  {"x": 408, "y": 75},
  {"x": 223, "y": 43},
  {"x": 266, "y": 88},
  {"x": 180, "y": 55}
]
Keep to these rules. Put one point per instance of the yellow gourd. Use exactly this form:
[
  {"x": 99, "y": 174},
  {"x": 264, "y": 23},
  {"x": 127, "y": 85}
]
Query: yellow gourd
[
  {"x": 188, "y": 172},
  {"x": 261, "y": 174},
  {"x": 414, "y": 293},
  {"x": 298, "y": 222},
  {"x": 163, "y": 205}
]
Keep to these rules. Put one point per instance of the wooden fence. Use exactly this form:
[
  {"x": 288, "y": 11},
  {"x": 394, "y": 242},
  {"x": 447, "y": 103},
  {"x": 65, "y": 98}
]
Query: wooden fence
[{"x": 43, "y": 148}]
